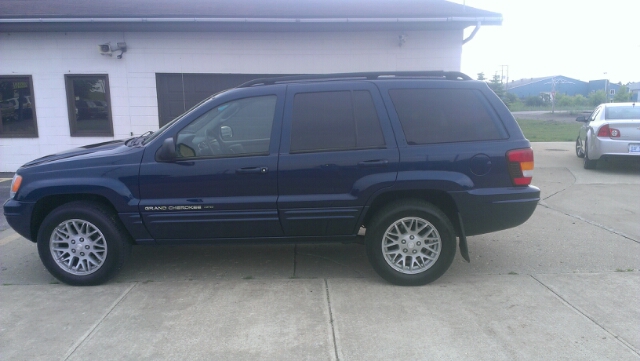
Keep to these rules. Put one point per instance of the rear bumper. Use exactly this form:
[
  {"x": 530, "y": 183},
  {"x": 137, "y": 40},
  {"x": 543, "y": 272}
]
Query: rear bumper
[
  {"x": 606, "y": 147},
  {"x": 18, "y": 215},
  {"x": 493, "y": 209}
]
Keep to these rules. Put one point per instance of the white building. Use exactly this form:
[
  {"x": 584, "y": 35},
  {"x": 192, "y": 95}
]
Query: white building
[{"x": 58, "y": 90}]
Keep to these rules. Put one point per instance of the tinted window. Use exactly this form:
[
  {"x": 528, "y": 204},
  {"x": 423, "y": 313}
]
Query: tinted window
[
  {"x": 17, "y": 107},
  {"x": 444, "y": 115},
  {"x": 88, "y": 104},
  {"x": 239, "y": 127},
  {"x": 338, "y": 120}
]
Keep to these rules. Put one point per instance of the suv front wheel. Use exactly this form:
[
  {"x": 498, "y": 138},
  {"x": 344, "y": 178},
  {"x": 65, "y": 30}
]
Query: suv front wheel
[
  {"x": 410, "y": 243},
  {"x": 82, "y": 243}
]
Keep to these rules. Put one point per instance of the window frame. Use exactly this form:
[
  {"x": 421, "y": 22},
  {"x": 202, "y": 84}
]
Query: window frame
[
  {"x": 33, "y": 134},
  {"x": 73, "y": 122}
]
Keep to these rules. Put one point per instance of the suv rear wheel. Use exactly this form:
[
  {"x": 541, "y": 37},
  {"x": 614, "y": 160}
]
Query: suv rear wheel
[
  {"x": 410, "y": 243},
  {"x": 82, "y": 243}
]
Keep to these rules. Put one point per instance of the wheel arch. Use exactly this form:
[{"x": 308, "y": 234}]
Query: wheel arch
[
  {"x": 441, "y": 199},
  {"x": 46, "y": 204}
]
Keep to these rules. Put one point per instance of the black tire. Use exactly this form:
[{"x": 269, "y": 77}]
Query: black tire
[
  {"x": 579, "y": 148},
  {"x": 68, "y": 226},
  {"x": 401, "y": 213},
  {"x": 588, "y": 163}
]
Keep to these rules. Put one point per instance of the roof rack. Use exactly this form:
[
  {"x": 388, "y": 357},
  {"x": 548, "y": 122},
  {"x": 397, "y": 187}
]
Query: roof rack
[{"x": 439, "y": 74}]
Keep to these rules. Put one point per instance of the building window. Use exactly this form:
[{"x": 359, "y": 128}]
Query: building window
[
  {"x": 612, "y": 91},
  {"x": 17, "y": 106},
  {"x": 89, "y": 105}
]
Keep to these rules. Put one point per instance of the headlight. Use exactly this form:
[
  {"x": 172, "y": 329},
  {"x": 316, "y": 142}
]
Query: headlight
[{"x": 15, "y": 185}]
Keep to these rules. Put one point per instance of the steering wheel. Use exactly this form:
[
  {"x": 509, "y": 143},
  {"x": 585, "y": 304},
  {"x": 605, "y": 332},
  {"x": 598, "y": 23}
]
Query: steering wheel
[{"x": 215, "y": 142}]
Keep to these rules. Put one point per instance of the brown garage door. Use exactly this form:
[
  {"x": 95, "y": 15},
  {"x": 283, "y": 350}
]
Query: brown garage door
[{"x": 177, "y": 93}]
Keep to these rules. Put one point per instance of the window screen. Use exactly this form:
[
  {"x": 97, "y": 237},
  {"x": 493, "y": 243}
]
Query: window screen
[
  {"x": 339, "y": 120},
  {"x": 444, "y": 115}
]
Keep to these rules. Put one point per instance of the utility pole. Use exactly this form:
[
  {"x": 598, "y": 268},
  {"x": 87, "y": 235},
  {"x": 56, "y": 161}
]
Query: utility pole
[
  {"x": 553, "y": 83},
  {"x": 502, "y": 76}
]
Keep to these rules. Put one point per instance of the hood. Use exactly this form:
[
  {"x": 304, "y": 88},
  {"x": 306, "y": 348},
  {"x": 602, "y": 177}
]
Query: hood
[{"x": 87, "y": 151}]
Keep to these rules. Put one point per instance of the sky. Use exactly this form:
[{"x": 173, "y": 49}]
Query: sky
[{"x": 585, "y": 40}]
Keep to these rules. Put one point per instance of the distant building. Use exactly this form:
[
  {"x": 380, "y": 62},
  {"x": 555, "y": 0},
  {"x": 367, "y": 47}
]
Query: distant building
[
  {"x": 634, "y": 89},
  {"x": 536, "y": 86}
]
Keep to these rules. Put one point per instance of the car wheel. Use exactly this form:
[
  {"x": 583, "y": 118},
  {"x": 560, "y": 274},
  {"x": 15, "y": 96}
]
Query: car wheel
[
  {"x": 410, "y": 243},
  {"x": 588, "y": 163},
  {"x": 83, "y": 243},
  {"x": 579, "y": 148}
]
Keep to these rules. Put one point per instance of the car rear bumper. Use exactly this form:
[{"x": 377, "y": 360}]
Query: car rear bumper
[
  {"x": 493, "y": 209},
  {"x": 18, "y": 215},
  {"x": 611, "y": 147}
]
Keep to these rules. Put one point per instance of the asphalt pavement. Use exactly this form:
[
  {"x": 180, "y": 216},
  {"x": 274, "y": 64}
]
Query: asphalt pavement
[{"x": 563, "y": 286}]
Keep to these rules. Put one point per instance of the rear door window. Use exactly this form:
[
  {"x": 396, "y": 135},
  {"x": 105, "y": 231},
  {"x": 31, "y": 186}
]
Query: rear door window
[
  {"x": 445, "y": 115},
  {"x": 334, "y": 120}
]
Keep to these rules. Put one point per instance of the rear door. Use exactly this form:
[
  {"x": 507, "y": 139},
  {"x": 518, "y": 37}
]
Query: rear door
[{"x": 337, "y": 150}]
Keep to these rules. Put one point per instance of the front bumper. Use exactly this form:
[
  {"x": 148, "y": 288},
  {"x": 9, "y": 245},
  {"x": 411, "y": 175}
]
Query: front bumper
[
  {"x": 487, "y": 210},
  {"x": 18, "y": 215}
]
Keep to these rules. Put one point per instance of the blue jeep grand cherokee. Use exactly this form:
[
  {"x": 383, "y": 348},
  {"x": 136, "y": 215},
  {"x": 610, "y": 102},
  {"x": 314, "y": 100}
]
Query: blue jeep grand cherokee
[{"x": 416, "y": 160}]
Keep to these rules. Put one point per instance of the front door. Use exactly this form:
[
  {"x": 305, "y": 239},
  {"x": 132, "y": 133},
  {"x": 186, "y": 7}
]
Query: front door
[{"x": 224, "y": 182}]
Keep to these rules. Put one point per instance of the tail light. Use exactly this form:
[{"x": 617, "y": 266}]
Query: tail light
[
  {"x": 520, "y": 163},
  {"x": 607, "y": 132}
]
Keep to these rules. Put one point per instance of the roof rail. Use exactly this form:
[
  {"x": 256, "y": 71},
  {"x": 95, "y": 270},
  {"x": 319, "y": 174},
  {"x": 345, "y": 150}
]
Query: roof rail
[{"x": 439, "y": 74}]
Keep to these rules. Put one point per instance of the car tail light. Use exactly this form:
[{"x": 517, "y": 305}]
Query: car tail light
[
  {"x": 520, "y": 166},
  {"x": 607, "y": 132}
]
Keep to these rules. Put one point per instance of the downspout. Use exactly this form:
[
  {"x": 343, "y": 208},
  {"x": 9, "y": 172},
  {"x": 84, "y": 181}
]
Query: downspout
[{"x": 473, "y": 33}]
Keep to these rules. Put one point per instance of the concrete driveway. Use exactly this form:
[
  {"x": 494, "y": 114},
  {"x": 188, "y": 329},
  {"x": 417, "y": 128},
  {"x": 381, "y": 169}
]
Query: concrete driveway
[{"x": 563, "y": 286}]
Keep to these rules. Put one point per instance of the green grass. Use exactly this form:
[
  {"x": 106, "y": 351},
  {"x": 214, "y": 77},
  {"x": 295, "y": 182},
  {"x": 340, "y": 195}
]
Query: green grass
[
  {"x": 549, "y": 130},
  {"x": 519, "y": 107}
]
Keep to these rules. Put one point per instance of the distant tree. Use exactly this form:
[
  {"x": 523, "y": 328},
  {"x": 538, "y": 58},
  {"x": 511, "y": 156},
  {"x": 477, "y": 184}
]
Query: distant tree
[
  {"x": 481, "y": 76},
  {"x": 622, "y": 95},
  {"x": 598, "y": 97},
  {"x": 533, "y": 101},
  {"x": 579, "y": 100},
  {"x": 496, "y": 85},
  {"x": 510, "y": 98},
  {"x": 563, "y": 100}
]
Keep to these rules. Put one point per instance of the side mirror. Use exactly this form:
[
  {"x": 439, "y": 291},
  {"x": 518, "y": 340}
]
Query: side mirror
[
  {"x": 581, "y": 119},
  {"x": 167, "y": 152},
  {"x": 226, "y": 132}
]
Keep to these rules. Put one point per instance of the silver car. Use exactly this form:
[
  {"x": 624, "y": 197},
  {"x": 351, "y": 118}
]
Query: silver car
[{"x": 612, "y": 130}]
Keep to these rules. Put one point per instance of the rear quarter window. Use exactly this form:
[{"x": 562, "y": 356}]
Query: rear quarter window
[{"x": 445, "y": 115}]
